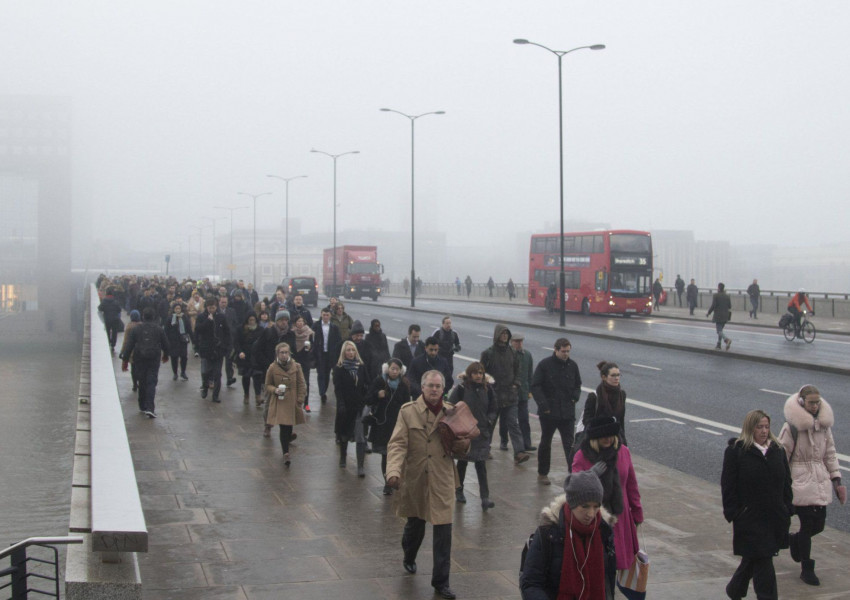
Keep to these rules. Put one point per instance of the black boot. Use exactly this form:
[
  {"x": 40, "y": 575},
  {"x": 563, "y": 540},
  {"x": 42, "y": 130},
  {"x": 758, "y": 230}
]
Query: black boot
[
  {"x": 361, "y": 459},
  {"x": 794, "y": 547},
  {"x": 487, "y": 503},
  {"x": 343, "y": 453},
  {"x": 808, "y": 574},
  {"x": 459, "y": 495}
]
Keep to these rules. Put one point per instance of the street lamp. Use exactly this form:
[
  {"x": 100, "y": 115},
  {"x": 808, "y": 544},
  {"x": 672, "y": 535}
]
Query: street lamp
[
  {"x": 214, "y": 257},
  {"x": 287, "y": 180},
  {"x": 412, "y": 189},
  {"x": 334, "y": 157},
  {"x": 200, "y": 230},
  {"x": 254, "y": 198},
  {"x": 231, "y": 233},
  {"x": 560, "y": 54}
]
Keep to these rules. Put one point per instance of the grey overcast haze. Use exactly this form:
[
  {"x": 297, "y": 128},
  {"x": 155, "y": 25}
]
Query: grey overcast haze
[{"x": 718, "y": 117}]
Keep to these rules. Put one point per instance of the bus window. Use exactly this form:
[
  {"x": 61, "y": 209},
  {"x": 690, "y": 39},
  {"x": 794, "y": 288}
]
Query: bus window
[
  {"x": 569, "y": 244},
  {"x": 631, "y": 283},
  {"x": 598, "y": 244}
]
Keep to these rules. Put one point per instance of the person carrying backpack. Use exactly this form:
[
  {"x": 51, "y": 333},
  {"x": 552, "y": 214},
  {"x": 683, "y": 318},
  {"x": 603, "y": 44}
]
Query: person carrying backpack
[{"x": 148, "y": 345}]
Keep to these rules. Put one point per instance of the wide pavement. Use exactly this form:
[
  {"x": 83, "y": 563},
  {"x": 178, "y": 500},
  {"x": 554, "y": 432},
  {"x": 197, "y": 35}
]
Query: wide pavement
[{"x": 228, "y": 520}]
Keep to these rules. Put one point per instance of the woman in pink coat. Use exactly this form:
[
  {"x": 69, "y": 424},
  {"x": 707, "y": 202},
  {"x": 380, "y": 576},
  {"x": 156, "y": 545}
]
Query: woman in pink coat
[
  {"x": 807, "y": 438},
  {"x": 621, "y": 496}
]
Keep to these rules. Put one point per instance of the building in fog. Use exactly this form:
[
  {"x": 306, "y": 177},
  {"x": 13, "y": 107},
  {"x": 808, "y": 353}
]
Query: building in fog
[{"x": 35, "y": 211}]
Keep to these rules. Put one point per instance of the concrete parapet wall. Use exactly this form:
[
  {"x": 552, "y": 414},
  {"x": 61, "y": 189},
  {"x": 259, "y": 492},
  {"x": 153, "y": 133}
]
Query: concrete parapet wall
[{"x": 88, "y": 575}]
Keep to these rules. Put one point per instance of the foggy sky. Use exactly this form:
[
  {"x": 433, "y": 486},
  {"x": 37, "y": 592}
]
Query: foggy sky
[{"x": 716, "y": 117}]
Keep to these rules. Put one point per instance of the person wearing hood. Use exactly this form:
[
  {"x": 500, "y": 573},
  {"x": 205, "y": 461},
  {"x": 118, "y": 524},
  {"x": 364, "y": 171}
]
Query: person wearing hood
[
  {"x": 503, "y": 365},
  {"x": 620, "y": 496},
  {"x": 388, "y": 393},
  {"x": 475, "y": 388},
  {"x": 429, "y": 361},
  {"x": 351, "y": 384},
  {"x": 377, "y": 342},
  {"x": 571, "y": 555},
  {"x": 810, "y": 448},
  {"x": 286, "y": 391},
  {"x": 756, "y": 488},
  {"x": 135, "y": 321},
  {"x": 358, "y": 335}
]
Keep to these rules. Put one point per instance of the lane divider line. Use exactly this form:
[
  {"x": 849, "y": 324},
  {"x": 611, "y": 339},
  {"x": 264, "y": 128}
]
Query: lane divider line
[
  {"x": 646, "y": 367},
  {"x": 712, "y": 432},
  {"x": 786, "y": 394}
]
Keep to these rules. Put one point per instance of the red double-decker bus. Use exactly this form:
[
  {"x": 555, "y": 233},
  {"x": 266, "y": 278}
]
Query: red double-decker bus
[{"x": 606, "y": 271}]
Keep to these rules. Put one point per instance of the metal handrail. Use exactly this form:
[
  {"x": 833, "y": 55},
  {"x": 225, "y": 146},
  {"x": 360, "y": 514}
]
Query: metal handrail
[
  {"x": 18, "y": 573},
  {"x": 42, "y": 541}
]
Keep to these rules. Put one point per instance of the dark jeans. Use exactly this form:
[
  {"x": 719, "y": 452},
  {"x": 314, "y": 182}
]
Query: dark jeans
[
  {"x": 181, "y": 357},
  {"x": 761, "y": 571},
  {"x": 411, "y": 539},
  {"x": 754, "y": 305},
  {"x": 323, "y": 373},
  {"x": 481, "y": 470},
  {"x": 692, "y": 304},
  {"x": 812, "y": 520},
  {"x": 148, "y": 373},
  {"x": 524, "y": 427},
  {"x": 211, "y": 371},
  {"x": 798, "y": 317},
  {"x": 258, "y": 379},
  {"x": 228, "y": 368},
  {"x": 548, "y": 426},
  {"x": 507, "y": 418},
  {"x": 112, "y": 333},
  {"x": 679, "y": 298}
]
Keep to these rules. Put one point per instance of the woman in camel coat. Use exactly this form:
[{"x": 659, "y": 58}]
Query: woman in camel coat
[{"x": 285, "y": 408}]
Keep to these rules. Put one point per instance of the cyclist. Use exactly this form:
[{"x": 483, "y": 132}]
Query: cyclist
[{"x": 795, "y": 307}]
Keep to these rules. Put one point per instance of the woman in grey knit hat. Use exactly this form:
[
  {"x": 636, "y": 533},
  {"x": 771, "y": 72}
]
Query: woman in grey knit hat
[{"x": 571, "y": 555}]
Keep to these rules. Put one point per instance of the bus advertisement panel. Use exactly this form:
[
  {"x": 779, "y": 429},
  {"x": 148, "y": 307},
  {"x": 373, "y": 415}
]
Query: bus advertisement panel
[{"x": 607, "y": 272}]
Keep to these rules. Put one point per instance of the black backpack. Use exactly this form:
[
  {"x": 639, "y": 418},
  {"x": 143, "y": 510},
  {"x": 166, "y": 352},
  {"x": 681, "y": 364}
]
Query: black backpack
[
  {"x": 547, "y": 550},
  {"x": 147, "y": 342}
]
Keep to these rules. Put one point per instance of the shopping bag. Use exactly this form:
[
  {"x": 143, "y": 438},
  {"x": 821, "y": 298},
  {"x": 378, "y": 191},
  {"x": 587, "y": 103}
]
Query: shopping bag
[{"x": 632, "y": 581}]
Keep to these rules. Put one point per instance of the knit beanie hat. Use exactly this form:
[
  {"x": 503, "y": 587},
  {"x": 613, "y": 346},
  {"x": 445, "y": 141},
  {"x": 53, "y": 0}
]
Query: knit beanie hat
[
  {"x": 583, "y": 487},
  {"x": 281, "y": 314},
  {"x": 135, "y": 315},
  {"x": 356, "y": 327},
  {"x": 600, "y": 427}
]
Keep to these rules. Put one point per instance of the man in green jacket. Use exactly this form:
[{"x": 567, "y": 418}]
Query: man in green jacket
[{"x": 526, "y": 370}]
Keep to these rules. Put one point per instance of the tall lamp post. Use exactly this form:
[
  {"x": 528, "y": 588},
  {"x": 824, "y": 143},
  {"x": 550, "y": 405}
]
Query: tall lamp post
[
  {"x": 200, "y": 230},
  {"x": 231, "y": 232},
  {"x": 287, "y": 180},
  {"x": 560, "y": 54},
  {"x": 334, "y": 157},
  {"x": 214, "y": 256},
  {"x": 412, "y": 195},
  {"x": 254, "y": 198}
]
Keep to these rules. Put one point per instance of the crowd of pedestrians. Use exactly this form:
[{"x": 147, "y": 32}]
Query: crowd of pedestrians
[{"x": 390, "y": 403}]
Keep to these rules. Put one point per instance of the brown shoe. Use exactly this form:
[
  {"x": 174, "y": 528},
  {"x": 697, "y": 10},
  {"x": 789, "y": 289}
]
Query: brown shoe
[
  {"x": 544, "y": 480},
  {"x": 521, "y": 457},
  {"x": 267, "y": 431},
  {"x": 246, "y": 399},
  {"x": 728, "y": 343}
]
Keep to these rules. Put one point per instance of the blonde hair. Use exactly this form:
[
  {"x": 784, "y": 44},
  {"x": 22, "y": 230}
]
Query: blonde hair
[
  {"x": 747, "y": 431},
  {"x": 595, "y": 443},
  {"x": 345, "y": 345}
]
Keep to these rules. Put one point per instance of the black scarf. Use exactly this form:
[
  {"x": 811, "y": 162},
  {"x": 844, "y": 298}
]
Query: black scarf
[{"x": 612, "y": 493}]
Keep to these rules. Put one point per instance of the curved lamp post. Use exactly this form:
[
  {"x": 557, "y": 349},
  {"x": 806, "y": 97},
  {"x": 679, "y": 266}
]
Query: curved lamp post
[
  {"x": 287, "y": 180},
  {"x": 334, "y": 157},
  {"x": 254, "y": 198},
  {"x": 560, "y": 54},
  {"x": 412, "y": 195}
]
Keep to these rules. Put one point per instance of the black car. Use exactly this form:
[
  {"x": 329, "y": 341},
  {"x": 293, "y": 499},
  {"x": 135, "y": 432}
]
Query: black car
[{"x": 306, "y": 287}]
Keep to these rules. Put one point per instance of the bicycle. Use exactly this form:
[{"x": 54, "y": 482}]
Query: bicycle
[{"x": 806, "y": 332}]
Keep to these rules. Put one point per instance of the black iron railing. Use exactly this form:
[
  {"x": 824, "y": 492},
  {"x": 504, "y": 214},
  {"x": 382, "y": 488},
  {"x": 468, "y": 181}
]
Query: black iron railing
[{"x": 25, "y": 571}]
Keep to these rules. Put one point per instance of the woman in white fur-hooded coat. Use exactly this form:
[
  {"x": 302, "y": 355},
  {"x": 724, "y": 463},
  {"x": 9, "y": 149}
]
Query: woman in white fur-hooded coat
[{"x": 814, "y": 469}]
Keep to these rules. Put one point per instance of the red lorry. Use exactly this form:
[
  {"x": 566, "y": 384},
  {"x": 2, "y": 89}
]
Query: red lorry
[{"x": 358, "y": 272}]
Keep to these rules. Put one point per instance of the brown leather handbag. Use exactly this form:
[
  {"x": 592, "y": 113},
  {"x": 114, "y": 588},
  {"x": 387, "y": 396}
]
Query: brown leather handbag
[{"x": 458, "y": 428}]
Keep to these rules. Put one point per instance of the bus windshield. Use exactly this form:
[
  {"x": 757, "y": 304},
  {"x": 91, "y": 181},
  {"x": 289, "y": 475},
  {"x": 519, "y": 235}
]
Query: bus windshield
[
  {"x": 631, "y": 283},
  {"x": 364, "y": 268}
]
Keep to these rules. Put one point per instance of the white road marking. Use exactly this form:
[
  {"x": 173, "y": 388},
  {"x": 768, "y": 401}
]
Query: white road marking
[
  {"x": 466, "y": 358},
  {"x": 786, "y": 394},
  {"x": 708, "y": 431},
  {"x": 486, "y": 337},
  {"x": 694, "y": 418},
  {"x": 777, "y": 333},
  {"x": 398, "y": 320},
  {"x": 658, "y": 419},
  {"x": 646, "y": 367}
]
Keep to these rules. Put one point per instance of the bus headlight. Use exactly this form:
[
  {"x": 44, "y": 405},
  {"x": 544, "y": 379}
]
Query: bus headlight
[{"x": 611, "y": 303}]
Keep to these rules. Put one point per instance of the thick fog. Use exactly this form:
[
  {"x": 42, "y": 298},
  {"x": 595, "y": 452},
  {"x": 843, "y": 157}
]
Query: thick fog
[{"x": 725, "y": 118}]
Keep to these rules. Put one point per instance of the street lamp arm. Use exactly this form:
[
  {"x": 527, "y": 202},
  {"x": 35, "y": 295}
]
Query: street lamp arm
[
  {"x": 413, "y": 117},
  {"x": 334, "y": 156},
  {"x": 560, "y": 52},
  {"x": 286, "y": 179}
]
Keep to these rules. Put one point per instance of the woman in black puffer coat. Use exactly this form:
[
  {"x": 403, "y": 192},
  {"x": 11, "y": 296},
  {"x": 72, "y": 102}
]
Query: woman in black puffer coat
[
  {"x": 351, "y": 384},
  {"x": 756, "y": 489}
]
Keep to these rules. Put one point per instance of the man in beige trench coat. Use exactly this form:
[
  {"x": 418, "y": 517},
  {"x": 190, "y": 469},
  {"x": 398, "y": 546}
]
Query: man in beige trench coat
[{"x": 418, "y": 464}]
